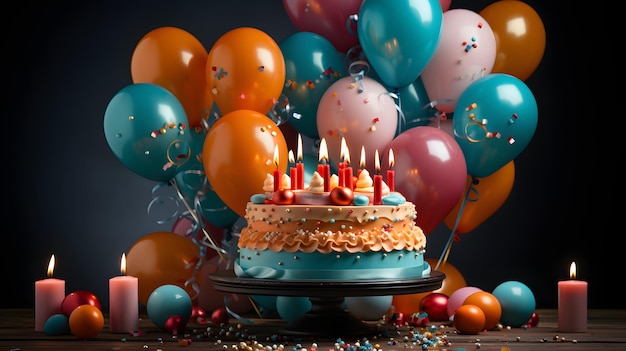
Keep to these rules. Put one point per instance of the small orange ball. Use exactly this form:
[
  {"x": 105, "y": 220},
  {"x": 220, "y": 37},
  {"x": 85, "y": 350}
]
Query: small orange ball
[
  {"x": 490, "y": 306},
  {"x": 341, "y": 196},
  {"x": 86, "y": 321},
  {"x": 469, "y": 319}
]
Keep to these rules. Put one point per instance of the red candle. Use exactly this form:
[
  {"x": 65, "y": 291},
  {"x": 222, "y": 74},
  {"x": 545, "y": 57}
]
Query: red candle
[
  {"x": 123, "y": 302},
  {"x": 378, "y": 182},
  {"x": 300, "y": 165},
  {"x": 293, "y": 172},
  {"x": 324, "y": 168},
  {"x": 390, "y": 173},
  {"x": 347, "y": 171},
  {"x": 342, "y": 164},
  {"x": 49, "y": 295},
  {"x": 277, "y": 174},
  {"x": 572, "y": 304}
]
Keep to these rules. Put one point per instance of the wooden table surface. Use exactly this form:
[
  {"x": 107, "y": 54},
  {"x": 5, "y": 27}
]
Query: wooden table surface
[{"x": 606, "y": 331}]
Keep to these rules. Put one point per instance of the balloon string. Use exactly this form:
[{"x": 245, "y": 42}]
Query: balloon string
[
  {"x": 401, "y": 119},
  {"x": 194, "y": 215},
  {"x": 352, "y": 19},
  {"x": 446, "y": 252}
]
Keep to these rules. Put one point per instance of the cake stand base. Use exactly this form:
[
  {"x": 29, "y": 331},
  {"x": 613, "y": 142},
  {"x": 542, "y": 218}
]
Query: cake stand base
[{"x": 326, "y": 316}]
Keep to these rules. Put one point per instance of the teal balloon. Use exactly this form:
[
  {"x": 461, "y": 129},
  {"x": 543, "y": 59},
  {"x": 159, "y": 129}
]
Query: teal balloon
[
  {"x": 494, "y": 120},
  {"x": 291, "y": 308},
  {"x": 167, "y": 301},
  {"x": 147, "y": 129},
  {"x": 57, "y": 324},
  {"x": 312, "y": 64},
  {"x": 517, "y": 302},
  {"x": 399, "y": 37}
]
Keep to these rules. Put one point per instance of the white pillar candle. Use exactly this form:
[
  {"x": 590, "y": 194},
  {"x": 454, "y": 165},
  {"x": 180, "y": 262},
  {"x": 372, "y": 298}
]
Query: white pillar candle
[
  {"x": 572, "y": 304},
  {"x": 49, "y": 295}
]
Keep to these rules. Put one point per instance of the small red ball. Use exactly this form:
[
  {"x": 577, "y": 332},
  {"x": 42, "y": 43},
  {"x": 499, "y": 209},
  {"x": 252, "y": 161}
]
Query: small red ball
[
  {"x": 284, "y": 197},
  {"x": 341, "y": 196},
  {"x": 175, "y": 324},
  {"x": 534, "y": 320},
  {"x": 436, "y": 305},
  {"x": 78, "y": 298},
  {"x": 220, "y": 316},
  {"x": 198, "y": 314}
]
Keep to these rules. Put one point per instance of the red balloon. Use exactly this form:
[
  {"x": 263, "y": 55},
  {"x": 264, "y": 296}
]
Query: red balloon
[
  {"x": 430, "y": 171},
  {"x": 77, "y": 298},
  {"x": 436, "y": 305},
  {"x": 220, "y": 316}
]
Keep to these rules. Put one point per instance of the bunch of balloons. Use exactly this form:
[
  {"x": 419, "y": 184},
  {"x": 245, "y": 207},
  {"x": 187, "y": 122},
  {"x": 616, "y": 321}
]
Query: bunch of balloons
[{"x": 381, "y": 75}]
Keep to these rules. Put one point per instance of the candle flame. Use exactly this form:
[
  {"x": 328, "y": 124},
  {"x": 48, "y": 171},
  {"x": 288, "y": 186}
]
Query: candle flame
[
  {"x": 346, "y": 157},
  {"x": 391, "y": 159},
  {"x": 299, "y": 147},
  {"x": 377, "y": 161},
  {"x": 572, "y": 270},
  {"x": 362, "y": 162},
  {"x": 276, "y": 155},
  {"x": 323, "y": 156},
  {"x": 51, "y": 266},
  {"x": 342, "y": 149},
  {"x": 123, "y": 264},
  {"x": 291, "y": 158}
]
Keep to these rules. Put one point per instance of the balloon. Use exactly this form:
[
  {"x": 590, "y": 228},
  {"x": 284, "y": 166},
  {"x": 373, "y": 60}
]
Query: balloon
[
  {"x": 146, "y": 128},
  {"x": 466, "y": 52},
  {"x": 520, "y": 37},
  {"x": 399, "y": 37},
  {"x": 435, "y": 304},
  {"x": 495, "y": 119},
  {"x": 86, "y": 321},
  {"x": 238, "y": 154},
  {"x": 161, "y": 258},
  {"x": 168, "y": 301},
  {"x": 458, "y": 296},
  {"x": 430, "y": 171},
  {"x": 469, "y": 319},
  {"x": 445, "y": 4},
  {"x": 245, "y": 70},
  {"x": 77, "y": 298},
  {"x": 362, "y": 112},
  {"x": 211, "y": 299},
  {"x": 484, "y": 196},
  {"x": 414, "y": 101},
  {"x": 368, "y": 308},
  {"x": 328, "y": 18},
  {"x": 291, "y": 308},
  {"x": 312, "y": 65},
  {"x": 489, "y": 304},
  {"x": 454, "y": 280},
  {"x": 174, "y": 59},
  {"x": 517, "y": 302},
  {"x": 57, "y": 324}
]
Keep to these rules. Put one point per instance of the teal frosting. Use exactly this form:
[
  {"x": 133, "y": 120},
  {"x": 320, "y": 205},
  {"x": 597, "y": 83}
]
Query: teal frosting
[
  {"x": 257, "y": 199},
  {"x": 393, "y": 199},
  {"x": 361, "y": 200}
]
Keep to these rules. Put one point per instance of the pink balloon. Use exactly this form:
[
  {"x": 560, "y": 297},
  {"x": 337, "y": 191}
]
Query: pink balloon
[
  {"x": 466, "y": 52},
  {"x": 328, "y": 18},
  {"x": 445, "y": 4},
  {"x": 430, "y": 171},
  {"x": 363, "y": 113},
  {"x": 455, "y": 300}
]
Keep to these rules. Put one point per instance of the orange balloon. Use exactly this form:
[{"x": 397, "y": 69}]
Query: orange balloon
[
  {"x": 410, "y": 303},
  {"x": 161, "y": 258},
  {"x": 86, "y": 321},
  {"x": 520, "y": 37},
  {"x": 490, "y": 306},
  {"x": 485, "y": 198},
  {"x": 469, "y": 319},
  {"x": 245, "y": 69},
  {"x": 176, "y": 60},
  {"x": 238, "y": 154}
]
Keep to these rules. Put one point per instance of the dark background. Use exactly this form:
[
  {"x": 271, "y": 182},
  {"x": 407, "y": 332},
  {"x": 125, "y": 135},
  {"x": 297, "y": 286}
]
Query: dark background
[{"x": 68, "y": 195}]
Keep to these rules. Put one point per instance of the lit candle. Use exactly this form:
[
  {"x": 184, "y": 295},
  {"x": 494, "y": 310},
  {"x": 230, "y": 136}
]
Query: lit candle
[
  {"x": 123, "y": 301},
  {"x": 277, "y": 174},
  {"x": 323, "y": 168},
  {"x": 349, "y": 181},
  {"x": 293, "y": 172},
  {"x": 362, "y": 160},
  {"x": 342, "y": 163},
  {"x": 572, "y": 303},
  {"x": 300, "y": 165},
  {"x": 49, "y": 295},
  {"x": 378, "y": 182},
  {"x": 390, "y": 174}
]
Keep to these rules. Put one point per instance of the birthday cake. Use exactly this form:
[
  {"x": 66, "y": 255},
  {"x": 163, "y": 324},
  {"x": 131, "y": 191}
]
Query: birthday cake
[{"x": 354, "y": 232}]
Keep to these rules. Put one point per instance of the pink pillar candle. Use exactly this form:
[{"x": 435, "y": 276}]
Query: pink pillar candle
[
  {"x": 572, "y": 304},
  {"x": 123, "y": 302},
  {"x": 49, "y": 296}
]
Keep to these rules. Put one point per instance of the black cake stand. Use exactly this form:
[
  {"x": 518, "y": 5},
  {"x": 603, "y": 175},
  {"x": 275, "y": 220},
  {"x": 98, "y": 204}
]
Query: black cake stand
[{"x": 326, "y": 316}]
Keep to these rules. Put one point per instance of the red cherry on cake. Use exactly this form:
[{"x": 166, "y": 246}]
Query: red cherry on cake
[
  {"x": 284, "y": 197},
  {"x": 341, "y": 196}
]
